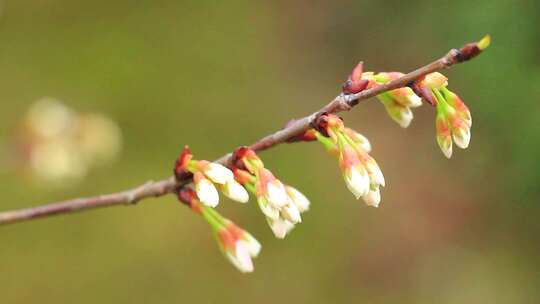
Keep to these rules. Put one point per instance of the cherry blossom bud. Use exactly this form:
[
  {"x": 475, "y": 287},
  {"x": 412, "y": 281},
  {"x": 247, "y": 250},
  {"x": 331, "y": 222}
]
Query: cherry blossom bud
[
  {"x": 355, "y": 175},
  {"x": 291, "y": 213},
  {"x": 206, "y": 191},
  {"x": 444, "y": 138},
  {"x": 453, "y": 121},
  {"x": 238, "y": 246},
  {"x": 399, "y": 113},
  {"x": 297, "y": 198},
  {"x": 375, "y": 174},
  {"x": 460, "y": 131},
  {"x": 373, "y": 197},
  {"x": 472, "y": 50},
  {"x": 404, "y": 96},
  {"x": 271, "y": 188},
  {"x": 434, "y": 80},
  {"x": 280, "y": 227},
  {"x": 215, "y": 172},
  {"x": 455, "y": 101},
  {"x": 268, "y": 210},
  {"x": 233, "y": 190},
  {"x": 359, "y": 139}
]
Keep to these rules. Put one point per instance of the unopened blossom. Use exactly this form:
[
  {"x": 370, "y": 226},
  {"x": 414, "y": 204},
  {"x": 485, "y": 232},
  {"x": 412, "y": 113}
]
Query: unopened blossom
[
  {"x": 354, "y": 173},
  {"x": 281, "y": 204},
  {"x": 238, "y": 246},
  {"x": 206, "y": 191},
  {"x": 453, "y": 120},
  {"x": 359, "y": 139},
  {"x": 206, "y": 175},
  {"x": 397, "y": 102},
  {"x": 360, "y": 171},
  {"x": 270, "y": 188},
  {"x": 280, "y": 227},
  {"x": 298, "y": 199},
  {"x": 233, "y": 190},
  {"x": 219, "y": 174}
]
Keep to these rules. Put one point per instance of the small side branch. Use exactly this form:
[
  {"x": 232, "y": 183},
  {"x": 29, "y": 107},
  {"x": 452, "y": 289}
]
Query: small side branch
[{"x": 155, "y": 189}]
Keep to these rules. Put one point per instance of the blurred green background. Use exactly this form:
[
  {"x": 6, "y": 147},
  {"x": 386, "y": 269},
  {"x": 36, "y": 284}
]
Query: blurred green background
[{"x": 218, "y": 74}]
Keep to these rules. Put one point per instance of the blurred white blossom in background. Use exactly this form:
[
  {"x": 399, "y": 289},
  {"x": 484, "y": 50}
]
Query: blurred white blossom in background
[{"x": 56, "y": 145}]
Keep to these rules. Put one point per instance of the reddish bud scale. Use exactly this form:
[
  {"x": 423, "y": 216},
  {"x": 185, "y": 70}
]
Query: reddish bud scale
[
  {"x": 180, "y": 168},
  {"x": 468, "y": 52},
  {"x": 188, "y": 197},
  {"x": 246, "y": 158},
  {"x": 309, "y": 135},
  {"x": 424, "y": 92},
  {"x": 325, "y": 122},
  {"x": 355, "y": 83}
]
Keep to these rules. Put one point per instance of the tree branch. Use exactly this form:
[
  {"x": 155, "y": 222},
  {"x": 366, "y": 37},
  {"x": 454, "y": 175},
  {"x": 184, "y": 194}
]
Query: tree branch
[{"x": 156, "y": 189}]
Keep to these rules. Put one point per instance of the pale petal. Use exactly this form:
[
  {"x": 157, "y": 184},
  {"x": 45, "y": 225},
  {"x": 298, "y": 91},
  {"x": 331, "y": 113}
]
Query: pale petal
[
  {"x": 280, "y": 227},
  {"x": 218, "y": 173},
  {"x": 373, "y": 197},
  {"x": 235, "y": 191},
  {"x": 276, "y": 194},
  {"x": 299, "y": 199},
  {"x": 252, "y": 244},
  {"x": 357, "y": 182},
  {"x": 375, "y": 174},
  {"x": 207, "y": 193},
  {"x": 291, "y": 213},
  {"x": 267, "y": 209},
  {"x": 462, "y": 137}
]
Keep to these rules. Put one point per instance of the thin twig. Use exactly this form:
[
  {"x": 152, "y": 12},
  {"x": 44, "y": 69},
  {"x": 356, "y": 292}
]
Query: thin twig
[{"x": 155, "y": 189}]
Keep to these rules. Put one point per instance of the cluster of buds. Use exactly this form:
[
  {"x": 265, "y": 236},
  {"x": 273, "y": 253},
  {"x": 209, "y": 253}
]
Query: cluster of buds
[
  {"x": 208, "y": 175},
  {"x": 397, "y": 102},
  {"x": 280, "y": 203},
  {"x": 362, "y": 175},
  {"x": 453, "y": 119},
  {"x": 236, "y": 244}
]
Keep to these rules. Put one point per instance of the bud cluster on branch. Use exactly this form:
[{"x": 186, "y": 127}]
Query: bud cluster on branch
[
  {"x": 197, "y": 183},
  {"x": 282, "y": 204}
]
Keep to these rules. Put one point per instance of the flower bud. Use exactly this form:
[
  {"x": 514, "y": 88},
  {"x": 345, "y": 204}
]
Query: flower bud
[
  {"x": 444, "y": 138},
  {"x": 280, "y": 227},
  {"x": 373, "y": 197},
  {"x": 206, "y": 191},
  {"x": 271, "y": 188},
  {"x": 215, "y": 172},
  {"x": 233, "y": 190},
  {"x": 359, "y": 139},
  {"x": 355, "y": 175},
  {"x": 399, "y": 113},
  {"x": 291, "y": 213},
  {"x": 238, "y": 246},
  {"x": 297, "y": 198}
]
